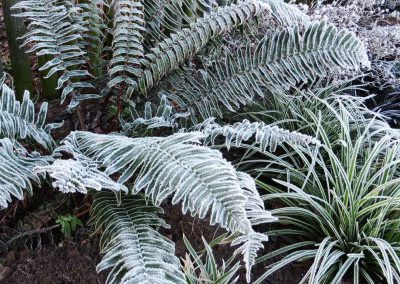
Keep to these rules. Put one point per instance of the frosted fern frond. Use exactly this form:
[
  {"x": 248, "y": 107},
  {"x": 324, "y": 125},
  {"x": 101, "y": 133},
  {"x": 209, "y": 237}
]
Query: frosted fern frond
[
  {"x": 18, "y": 119},
  {"x": 174, "y": 166},
  {"x": 70, "y": 176},
  {"x": 55, "y": 32},
  {"x": 92, "y": 16},
  {"x": 165, "y": 116},
  {"x": 281, "y": 60},
  {"x": 249, "y": 246},
  {"x": 287, "y": 15},
  {"x": 169, "y": 54},
  {"x": 16, "y": 171},
  {"x": 265, "y": 135},
  {"x": 127, "y": 43},
  {"x": 134, "y": 251}
]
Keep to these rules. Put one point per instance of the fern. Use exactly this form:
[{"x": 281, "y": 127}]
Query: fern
[
  {"x": 127, "y": 43},
  {"x": 16, "y": 171},
  {"x": 54, "y": 33},
  {"x": 254, "y": 206},
  {"x": 134, "y": 250},
  {"x": 265, "y": 135},
  {"x": 169, "y": 54},
  {"x": 281, "y": 60},
  {"x": 18, "y": 121}
]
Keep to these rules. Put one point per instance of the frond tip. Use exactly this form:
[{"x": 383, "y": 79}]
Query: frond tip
[
  {"x": 265, "y": 135},
  {"x": 79, "y": 176},
  {"x": 134, "y": 250}
]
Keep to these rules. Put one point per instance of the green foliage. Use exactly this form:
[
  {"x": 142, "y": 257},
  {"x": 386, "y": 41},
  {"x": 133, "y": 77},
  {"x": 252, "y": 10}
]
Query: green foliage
[
  {"x": 343, "y": 204},
  {"x": 68, "y": 224}
]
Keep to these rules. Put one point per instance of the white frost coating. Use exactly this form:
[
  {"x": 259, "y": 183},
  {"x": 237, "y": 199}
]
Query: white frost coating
[{"x": 71, "y": 176}]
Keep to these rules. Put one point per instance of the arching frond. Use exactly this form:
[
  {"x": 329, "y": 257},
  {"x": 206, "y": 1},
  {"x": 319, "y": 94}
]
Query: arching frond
[
  {"x": 174, "y": 166},
  {"x": 18, "y": 119},
  {"x": 265, "y": 135},
  {"x": 165, "y": 116},
  {"x": 169, "y": 54},
  {"x": 281, "y": 60},
  {"x": 127, "y": 43},
  {"x": 78, "y": 176},
  {"x": 134, "y": 251},
  {"x": 16, "y": 171},
  {"x": 54, "y": 33}
]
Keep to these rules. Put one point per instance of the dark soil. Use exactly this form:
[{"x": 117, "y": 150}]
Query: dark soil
[{"x": 49, "y": 258}]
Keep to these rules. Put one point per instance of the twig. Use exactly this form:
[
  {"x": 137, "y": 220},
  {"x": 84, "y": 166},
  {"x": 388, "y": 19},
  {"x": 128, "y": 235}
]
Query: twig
[
  {"x": 39, "y": 231},
  {"x": 29, "y": 233}
]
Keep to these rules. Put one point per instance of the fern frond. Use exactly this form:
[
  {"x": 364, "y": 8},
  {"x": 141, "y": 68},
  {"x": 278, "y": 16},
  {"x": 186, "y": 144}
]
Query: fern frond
[
  {"x": 265, "y": 135},
  {"x": 54, "y": 33},
  {"x": 197, "y": 176},
  {"x": 250, "y": 244},
  {"x": 127, "y": 43},
  {"x": 169, "y": 54},
  {"x": 92, "y": 15},
  {"x": 281, "y": 60},
  {"x": 78, "y": 176},
  {"x": 18, "y": 119},
  {"x": 16, "y": 171},
  {"x": 134, "y": 251},
  {"x": 287, "y": 15},
  {"x": 165, "y": 116}
]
